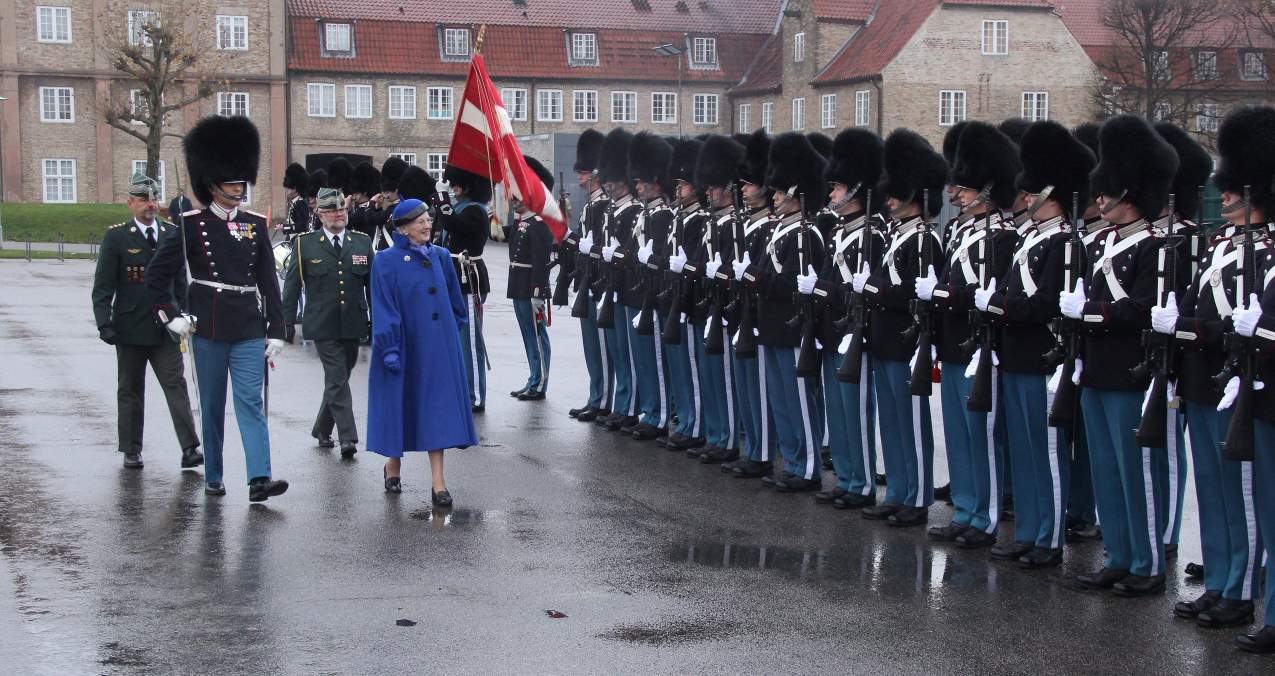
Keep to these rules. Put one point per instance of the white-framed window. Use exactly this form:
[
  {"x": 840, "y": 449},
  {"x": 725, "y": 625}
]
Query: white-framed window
[
  {"x": 799, "y": 47},
  {"x": 57, "y": 104},
  {"x": 138, "y": 19},
  {"x": 136, "y": 105},
  {"x": 704, "y": 109},
  {"x": 1252, "y": 65},
  {"x": 515, "y": 103},
  {"x": 435, "y": 163},
  {"x": 358, "y": 101},
  {"x": 320, "y": 99},
  {"x": 139, "y": 167},
  {"x": 1160, "y": 65},
  {"x": 409, "y": 158},
  {"x": 584, "y": 49},
  {"x": 623, "y": 107},
  {"x": 336, "y": 37},
  {"x": 704, "y": 52},
  {"x": 664, "y": 107},
  {"x": 1035, "y": 106},
  {"x": 549, "y": 105},
  {"x": 1163, "y": 111},
  {"x": 53, "y": 24},
  {"x": 402, "y": 102},
  {"x": 995, "y": 37},
  {"x": 439, "y": 103},
  {"x": 745, "y": 117},
  {"x": 1206, "y": 117},
  {"x": 236, "y": 103},
  {"x": 247, "y": 195},
  {"x": 862, "y": 107},
  {"x": 1206, "y": 65},
  {"x": 584, "y": 105},
  {"x": 951, "y": 107},
  {"x": 798, "y": 114},
  {"x": 232, "y": 32},
  {"x": 59, "y": 180},
  {"x": 768, "y": 117},
  {"x": 456, "y": 42},
  {"x": 828, "y": 111}
]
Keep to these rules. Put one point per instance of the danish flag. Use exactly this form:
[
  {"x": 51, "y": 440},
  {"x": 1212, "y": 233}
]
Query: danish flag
[{"x": 483, "y": 143}]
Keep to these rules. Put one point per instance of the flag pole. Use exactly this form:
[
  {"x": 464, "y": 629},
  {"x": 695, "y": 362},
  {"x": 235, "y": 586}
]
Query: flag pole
[{"x": 482, "y": 33}]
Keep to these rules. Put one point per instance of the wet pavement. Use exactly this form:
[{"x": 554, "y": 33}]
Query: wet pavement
[{"x": 569, "y": 550}]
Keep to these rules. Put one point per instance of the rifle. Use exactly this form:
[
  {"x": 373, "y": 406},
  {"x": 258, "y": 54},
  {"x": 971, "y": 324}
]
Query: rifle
[
  {"x": 1241, "y": 355},
  {"x": 606, "y": 306},
  {"x": 921, "y": 382},
  {"x": 1151, "y": 431},
  {"x": 584, "y": 265},
  {"x": 808, "y": 353},
  {"x": 645, "y": 284},
  {"x": 741, "y": 302},
  {"x": 1062, "y": 411},
  {"x": 852, "y": 366},
  {"x": 980, "y": 397},
  {"x": 714, "y": 340},
  {"x": 672, "y": 333}
]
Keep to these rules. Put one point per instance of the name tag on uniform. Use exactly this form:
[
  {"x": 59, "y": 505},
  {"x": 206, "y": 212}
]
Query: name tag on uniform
[{"x": 356, "y": 259}]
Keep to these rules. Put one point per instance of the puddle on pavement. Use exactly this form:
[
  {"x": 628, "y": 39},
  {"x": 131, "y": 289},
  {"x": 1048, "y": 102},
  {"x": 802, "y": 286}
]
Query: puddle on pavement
[
  {"x": 671, "y": 633},
  {"x": 448, "y": 518}
]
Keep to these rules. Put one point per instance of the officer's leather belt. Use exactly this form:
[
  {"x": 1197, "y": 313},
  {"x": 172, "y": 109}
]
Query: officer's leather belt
[{"x": 225, "y": 287}]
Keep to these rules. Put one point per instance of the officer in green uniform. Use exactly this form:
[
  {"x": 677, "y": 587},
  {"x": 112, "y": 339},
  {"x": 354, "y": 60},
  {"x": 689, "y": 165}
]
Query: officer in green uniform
[
  {"x": 124, "y": 319},
  {"x": 332, "y": 265}
]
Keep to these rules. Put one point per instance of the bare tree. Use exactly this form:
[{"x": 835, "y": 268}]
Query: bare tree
[
  {"x": 1259, "y": 31},
  {"x": 1162, "y": 60}
]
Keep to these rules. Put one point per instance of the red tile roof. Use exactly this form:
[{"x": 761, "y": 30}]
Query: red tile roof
[
  {"x": 411, "y": 48},
  {"x": 710, "y": 16},
  {"x": 1084, "y": 19},
  {"x": 877, "y": 43},
  {"x": 766, "y": 73},
  {"x": 1028, "y": 4},
  {"x": 851, "y": 11}
]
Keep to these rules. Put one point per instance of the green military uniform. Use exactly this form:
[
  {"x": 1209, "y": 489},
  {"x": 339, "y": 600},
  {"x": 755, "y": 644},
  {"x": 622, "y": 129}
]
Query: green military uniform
[
  {"x": 335, "y": 282},
  {"x": 122, "y": 310}
]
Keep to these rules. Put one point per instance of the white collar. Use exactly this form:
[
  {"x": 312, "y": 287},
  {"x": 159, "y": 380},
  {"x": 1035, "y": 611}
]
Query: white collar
[
  {"x": 222, "y": 213},
  {"x": 143, "y": 228},
  {"x": 339, "y": 235}
]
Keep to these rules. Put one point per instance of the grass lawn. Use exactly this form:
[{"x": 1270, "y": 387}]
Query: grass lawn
[
  {"x": 43, "y": 222},
  {"x": 21, "y": 254}
]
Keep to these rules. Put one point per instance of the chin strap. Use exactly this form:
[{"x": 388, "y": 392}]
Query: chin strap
[
  {"x": 981, "y": 199},
  {"x": 1115, "y": 203}
]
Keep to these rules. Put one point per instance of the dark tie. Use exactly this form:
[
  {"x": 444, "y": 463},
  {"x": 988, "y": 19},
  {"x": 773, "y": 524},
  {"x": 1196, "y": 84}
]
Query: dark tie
[
  {"x": 336, "y": 244},
  {"x": 150, "y": 236}
]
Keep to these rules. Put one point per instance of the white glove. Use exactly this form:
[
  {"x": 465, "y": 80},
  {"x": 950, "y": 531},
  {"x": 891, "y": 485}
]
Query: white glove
[
  {"x": 1232, "y": 390},
  {"x": 806, "y": 282},
  {"x": 609, "y": 250},
  {"x": 925, "y": 285},
  {"x": 442, "y": 186},
  {"x": 1164, "y": 318},
  {"x": 537, "y": 305},
  {"x": 740, "y": 266},
  {"x": 1054, "y": 381},
  {"x": 934, "y": 355},
  {"x": 644, "y": 253},
  {"x": 637, "y": 318},
  {"x": 677, "y": 262},
  {"x": 1072, "y": 303},
  {"x": 586, "y": 244},
  {"x": 860, "y": 279},
  {"x": 711, "y": 267},
  {"x": 844, "y": 347},
  {"x": 274, "y": 348},
  {"x": 1246, "y": 318},
  {"x": 982, "y": 297},
  {"x": 1080, "y": 368},
  {"x": 181, "y": 325},
  {"x": 972, "y": 367}
]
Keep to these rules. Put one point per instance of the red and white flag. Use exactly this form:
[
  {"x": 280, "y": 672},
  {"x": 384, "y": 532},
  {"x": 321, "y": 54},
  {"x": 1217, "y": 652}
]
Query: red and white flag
[{"x": 483, "y": 143}]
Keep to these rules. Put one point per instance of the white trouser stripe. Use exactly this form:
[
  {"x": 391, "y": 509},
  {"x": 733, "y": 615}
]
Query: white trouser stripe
[
  {"x": 807, "y": 430},
  {"x": 1153, "y": 538},
  {"x": 608, "y": 383},
  {"x": 732, "y": 433},
  {"x": 765, "y": 405},
  {"x": 917, "y": 448},
  {"x": 1171, "y": 448},
  {"x": 633, "y": 393},
  {"x": 688, "y": 337},
  {"x": 1055, "y": 476},
  {"x": 994, "y": 497},
  {"x": 473, "y": 351},
  {"x": 1250, "y": 530},
  {"x": 659, "y": 371},
  {"x": 540, "y": 352},
  {"x": 865, "y": 438}
]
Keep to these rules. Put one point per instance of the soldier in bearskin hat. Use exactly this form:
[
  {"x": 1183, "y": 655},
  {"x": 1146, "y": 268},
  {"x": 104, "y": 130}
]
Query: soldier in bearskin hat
[
  {"x": 598, "y": 360},
  {"x": 464, "y": 233},
  {"x": 1132, "y": 181},
  {"x": 234, "y": 306},
  {"x": 379, "y": 219},
  {"x": 295, "y": 180},
  {"x": 364, "y": 199},
  {"x": 317, "y": 181},
  {"x": 530, "y": 247}
]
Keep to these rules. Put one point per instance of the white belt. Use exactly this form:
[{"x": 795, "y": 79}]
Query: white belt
[
  {"x": 225, "y": 287},
  {"x": 520, "y": 265},
  {"x": 467, "y": 257}
]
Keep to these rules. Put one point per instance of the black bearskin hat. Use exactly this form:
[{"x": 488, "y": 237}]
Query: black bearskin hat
[
  {"x": 985, "y": 155},
  {"x": 822, "y": 143},
  {"x": 220, "y": 150},
  {"x": 649, "y": 156},
  {"x": 718, "y": 162},
  {"x": 741, "y": 139},
  {"x": 856, "y": 160},
  {"x": 318, "y": 179},
  {"x": 295, "y": 177},
  {"x": 685, "y": 154},
  {"x": 1246, "y": 150},
  {"x": 794, "y": 162},
  {"x": 1087, "y": 132},
  {"x": 477, "y": 188},
  {"x": 756, "y": 155},
  {"x": 391, "y": 172},
  {"x": 1194, "y": 167},
  {"x": 588, "y": 150},
  {"x": 367, "y": 179},
  {"x": 341, "y": 175},
  {"x": 1014, "y": 128},
  {"x": 613, "y": 165},
  {"x": 952, "y": 139},
  {"x": 1134, "y": 158},
  {"x": 1053, "y": 156},
  {"x": 546, "y": 177},
  {"x": 911, "y": 166},
  {"x": 415, "y": 183}
]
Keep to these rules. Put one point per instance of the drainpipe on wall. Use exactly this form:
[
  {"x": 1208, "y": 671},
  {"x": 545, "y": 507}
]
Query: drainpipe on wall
[{"x": 876, "y": 84}]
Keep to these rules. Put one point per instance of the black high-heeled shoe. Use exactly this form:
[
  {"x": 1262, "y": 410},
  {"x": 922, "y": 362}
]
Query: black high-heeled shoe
[
  {"x": 441, "y": 498},
  {"x": 393, "y": 484}
]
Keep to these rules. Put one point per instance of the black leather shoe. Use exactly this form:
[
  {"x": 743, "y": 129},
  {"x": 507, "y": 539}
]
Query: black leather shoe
[
  {"x": 532, "y": 396},
  {"x": 477, "y": 408},
  {"x": 621, "y": 423},
  {"x": 517, "y": 394},
  {"x": 215, "y": 489},
  {"x": 770, "y": 480},
  {"x": 729, "y": 467},
  {"x": 441, "y": 498},
  {"x": 1041, "y": 557},
  {"x": 854, "y": 501},
  {"x": 133, "y": 460},
  {"x": 606, "y": 420},
  {"x": 684, "y": 443},
  {"x": 1189, "y": 610},
  {"x": 1139, "y": 585},
  {"x": 881, "y": 512},
  {"x": 975, "y": 539},
  {"x": 909, "y": 516},
  {"x": 261, "y": 488},
  {"x": 1227, "y": 613},
  {"x": 1084, "y": 532},
  {"x": 1261, "y": 642},
  {"x": 1194, "y": 570},
  {"x": 348, "y": 449},
  {"x": 797, "y": 484},
  {"x": 1010, "y": 551},
  {"x": 325, "y": 441},
  {"x": 192, "y": 458},
  {"x": 752, "y": 469},
  {"x": 1103, "y": 578},
  {"x": 698, "y": 452},
  {"x": 719, "y": 455},
  {"x": 645, "y": 432},
  {"x": 575, "y": 412},
  {"x": 826, "y": 497},
  {"x": 589, "y": 414},
  {"x": 393, "y": 484},
  {"x": 947, "y": 533}
]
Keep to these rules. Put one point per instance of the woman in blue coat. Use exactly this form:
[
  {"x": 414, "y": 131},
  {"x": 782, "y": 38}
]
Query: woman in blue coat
[{"x": 418, "y": 393}]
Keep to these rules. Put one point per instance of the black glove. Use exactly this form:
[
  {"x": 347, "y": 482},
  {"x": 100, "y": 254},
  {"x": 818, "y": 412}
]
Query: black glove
[
  {"x": 107, "y": 334},
  {"x": 290, "y": 333}
]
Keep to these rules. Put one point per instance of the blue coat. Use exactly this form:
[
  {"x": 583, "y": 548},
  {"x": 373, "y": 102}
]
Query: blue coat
[{"x": 417, "y": 309}]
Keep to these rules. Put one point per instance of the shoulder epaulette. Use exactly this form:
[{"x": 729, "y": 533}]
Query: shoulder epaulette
[
  {"x": 117, "y": 225},
  {"x": 248, "y": 211},
  {"x": 192, "y": 212},
  {"x": 356, "y": 233}
]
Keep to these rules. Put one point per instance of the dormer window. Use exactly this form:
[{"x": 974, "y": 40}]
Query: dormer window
[
  {"x": 338, "y": 39},
  {"x": 584, "y": 49},
  {"x": 704, "y": 53},
  {"x": 455, "y": 44}
]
